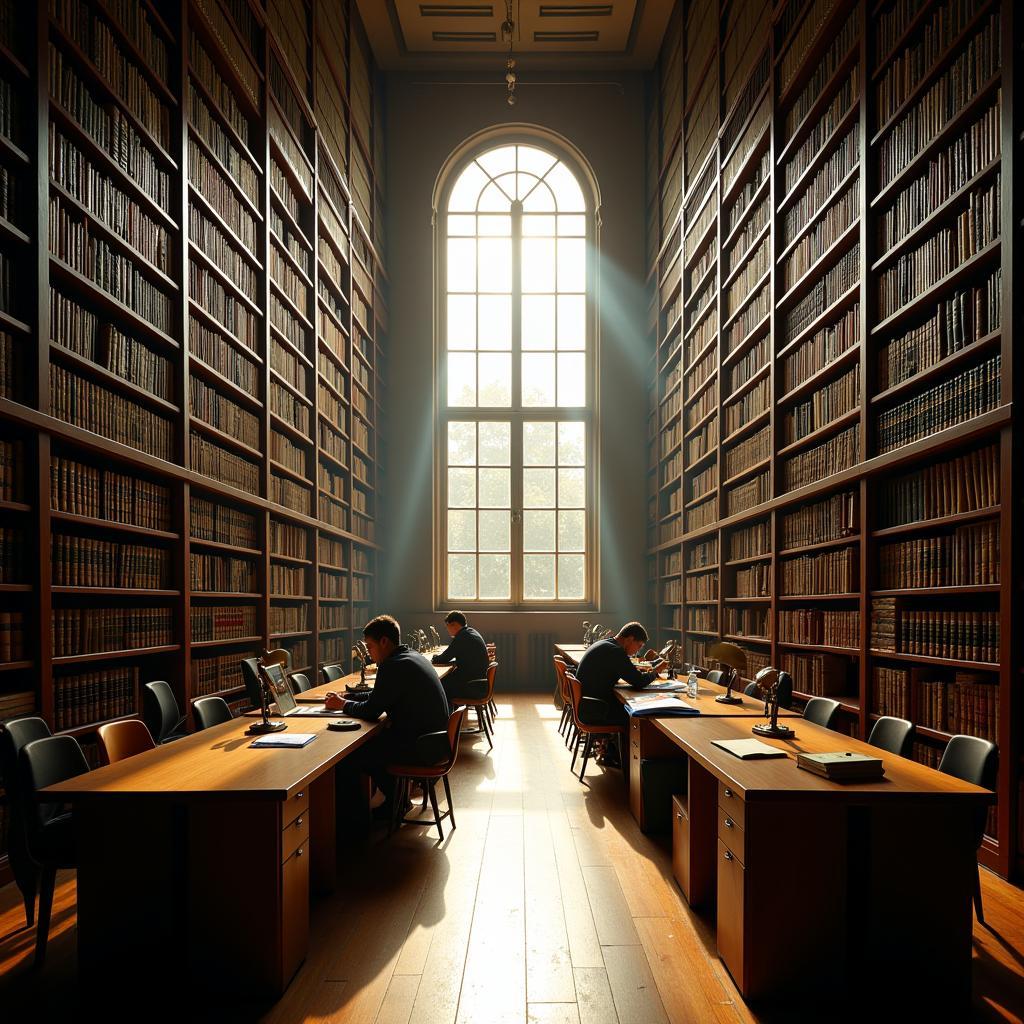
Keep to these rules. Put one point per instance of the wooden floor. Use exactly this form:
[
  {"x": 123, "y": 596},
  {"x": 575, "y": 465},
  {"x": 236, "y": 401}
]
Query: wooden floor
[{"x": 546, "y": 905}]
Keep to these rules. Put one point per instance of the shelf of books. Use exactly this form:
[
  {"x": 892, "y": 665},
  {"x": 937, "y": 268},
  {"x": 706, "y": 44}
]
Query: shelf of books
[
  {"x": 193, "y": 448},
  {"x": 842, "y": 316}
]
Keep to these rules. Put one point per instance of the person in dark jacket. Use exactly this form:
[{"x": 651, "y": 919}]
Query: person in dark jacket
[
  {"x": 602, "y": 666},
  {"x": 469, "y": 653},
  {"x": 408, "y": 690}
]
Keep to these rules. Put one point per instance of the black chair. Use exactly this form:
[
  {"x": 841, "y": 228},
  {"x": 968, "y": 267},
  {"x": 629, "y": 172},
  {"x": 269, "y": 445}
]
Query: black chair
[
  {"x": 251, "y": 678},
  {"x": 715, "y": 677},
  {"x": 300, "y": 682},
  {"x": 895, "y": 735},
  {"x": 784, "y": 690},
  {"x": 976, "y": 761},
  {"x": 51, "y": 834},
  {"x": 160, "y": 712},
  {"x": 331, "y": 673},
  {"x": 822, "y": 711},
  {"x": 751, "y": 690},
  {"x": 210, "y": 711},
  {"x": 13, "y": 737}
]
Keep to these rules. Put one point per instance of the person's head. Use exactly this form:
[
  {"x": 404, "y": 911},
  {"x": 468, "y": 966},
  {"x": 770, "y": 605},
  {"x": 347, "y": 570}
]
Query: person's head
[
  {"x": 382, "y": 636},
  {"x": 453, "y": 622},
  {"x": 632, "y": 637}
]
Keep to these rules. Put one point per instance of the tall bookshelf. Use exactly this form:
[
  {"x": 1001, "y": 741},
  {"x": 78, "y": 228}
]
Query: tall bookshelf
[
  {"x": 839, "y": 429},
  {"x": 190, "y": 458}
]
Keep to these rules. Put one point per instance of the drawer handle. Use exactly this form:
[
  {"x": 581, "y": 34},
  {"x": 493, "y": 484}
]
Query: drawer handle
[
  {"x": 298, "y": 823},
  {"x": 679, "y": 817},
  {"x": 299, "y": 795},
  {"x": 728, "y": 791},
  {"x": 728, "y": 822},
  {"x": 299, "y": 852},
  {"x": 728, "y": 855}
]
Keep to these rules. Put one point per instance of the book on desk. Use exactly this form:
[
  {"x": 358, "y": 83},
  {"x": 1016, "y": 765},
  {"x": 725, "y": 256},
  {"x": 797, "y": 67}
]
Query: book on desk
[{"x": 660, "y": 707}]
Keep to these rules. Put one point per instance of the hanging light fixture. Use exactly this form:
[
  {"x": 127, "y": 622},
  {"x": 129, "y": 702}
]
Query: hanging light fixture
[{"x": 508, "y": 29}]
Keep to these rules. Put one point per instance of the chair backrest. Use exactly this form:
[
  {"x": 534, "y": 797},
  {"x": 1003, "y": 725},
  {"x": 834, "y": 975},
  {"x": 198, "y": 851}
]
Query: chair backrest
[
  {"x": 784, "y": 688},
  {"x": 160, "y": 709},
  {"x": 822, "y": 711},
  {"x": 210, "y": 711},
  {"x": 751, "y": 690},
  {"x": 455, "y": 720},
  {"x": 14, "y": 737},
  {"x": 331, "y": 673},
  {"x": 300, "y": 682},
  {"x": 563, "y": 686},
  {"x": 251, "y": 678},
  {"x": 715, "y": 677},
  {"x": 492, "y": 671},
  {"x": 972, "y": 759},
  {"x": 575, "y": 696},
  {"x": 119, "y": 740},
  {"x": 43, "y": 763},
  {"x": 492, "y": 651},
  {"x": 896, "y": 735}
]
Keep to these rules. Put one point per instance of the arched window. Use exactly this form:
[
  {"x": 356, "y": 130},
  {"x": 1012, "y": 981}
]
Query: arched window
[{"x": 516, "y": 366}]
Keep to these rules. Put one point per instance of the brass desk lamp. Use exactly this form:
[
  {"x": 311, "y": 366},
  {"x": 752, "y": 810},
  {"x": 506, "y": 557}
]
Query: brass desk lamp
[
  {"x": 735, "y": 661},
  {"x": 277, "y": 659},
  {"x": 767, "y": 681}
]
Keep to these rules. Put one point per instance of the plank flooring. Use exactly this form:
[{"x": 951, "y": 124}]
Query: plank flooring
[{"x": 545, "y": 906}]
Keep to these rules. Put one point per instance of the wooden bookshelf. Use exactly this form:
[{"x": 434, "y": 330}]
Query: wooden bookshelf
[
  {"x": 858, "y": 378},
  {"x": 223, "y": 354}
]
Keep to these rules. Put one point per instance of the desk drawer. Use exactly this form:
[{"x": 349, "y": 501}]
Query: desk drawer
[
  {"x": 732, "y": 835},
  {"x": 294, "y": 834},
  {"x": 731, "y": 926},
  {"x": 296, "y": 804},
  {"x": 294, "y": 911},
  {"x": 681, "y": 844},
  {"x": 732, "y": 803}
]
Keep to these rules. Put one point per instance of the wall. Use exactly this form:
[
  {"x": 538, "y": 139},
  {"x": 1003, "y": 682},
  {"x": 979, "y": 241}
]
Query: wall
[{"x": 428, "y": 117}]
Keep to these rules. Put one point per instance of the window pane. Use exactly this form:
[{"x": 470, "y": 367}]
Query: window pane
[
  {"x": 462, "y": 224},
  {"x": 570, "y": 488},
  {"x": 572, "y": 321},
  {"x": 495, "y": 321},
  {"x": 498, "y": 161},
  {"x": 566, "y": 188},
  {"x": 538, "y": 577},
  {"x": 461, "y": 321},
  {"x": 495, "y": 264},
  {"x": 461, "y": 265},
  {"x": 538, "y": 488},
  {"x": 572, "y": 224},
  {"x": 571, "y": 449},
  {"x": 495, "y": 491},
  {"x": 571, "y": 577},
  {"x": 571, "y": 535},
  {"x": 461, "y": 576},
  {"x": 525, "y": 184},
  {"x": 462, "y": 378},
  {"x": 542, "y": 224},
  {"x": 507, "y": 184},
  {"x": 495, "y": 379},
  {"x": 461, "y": 444},
  {"x": 538, "y": 379},
  {"x": 538, "y": 327},
  {"x": 540, "y": 200},
  {"x": 494, "y": 224},
  {"x": 467, "y": 189},
  {"x": 572, "y": 265},
  {"x": 461, "y": 488},
  {"x": 461, "y": 530},
  {"x": 493, "y": 200},
  {"x": 495, "y": 577},
  {"x": 495, "y": 444},
  {"x": 538, "y": 264},
  {"x": 572, "y": 383},
  {"x": 538, "y": 531},
  {"x": 495, "y": 532},
  {"x": 538, "y": 444},
  {"x": 535, "y": 160}
]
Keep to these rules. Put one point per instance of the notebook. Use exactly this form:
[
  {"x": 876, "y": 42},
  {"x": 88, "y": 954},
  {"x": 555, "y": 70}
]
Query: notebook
[
  {"x": 288, "y": 739},
  {"x": 748, "y": 750},
  {"x": 660, "y": 707},
  {"x": 842, "y": 764}
]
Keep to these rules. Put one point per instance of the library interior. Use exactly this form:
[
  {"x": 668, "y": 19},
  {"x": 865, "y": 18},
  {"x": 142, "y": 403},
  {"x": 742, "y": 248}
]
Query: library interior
[{"x": 637, "y": 379}]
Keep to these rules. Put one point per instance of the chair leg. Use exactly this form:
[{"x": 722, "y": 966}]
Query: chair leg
[
  {"x": 563, "y": 719},
  {"x": 622, "y": 754},
  {"x": 47, "y": 882},
  {"x": 978, "y": 910},
  {"x": 575, "y": 750},
  {"x": 448, "y": 797},
  {"x": 586, "y": 753},
  {"x": 28, "y": 887},
  {"x": 398, "y": 796},
  {"x": 433, "y": 803},
  {"x": 493, "y": 708},
  {"x": 423, "y": 806},
  {"x": 487, "y": 732}
]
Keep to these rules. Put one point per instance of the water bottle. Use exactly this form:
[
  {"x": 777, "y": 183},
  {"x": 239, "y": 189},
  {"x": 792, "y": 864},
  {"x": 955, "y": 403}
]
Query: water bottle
[{"x": 691, "y": 683}]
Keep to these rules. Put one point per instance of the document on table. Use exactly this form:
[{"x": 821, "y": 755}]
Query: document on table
[
  {"x": 291, "y": 739},
  {"x": 660, "y": 707}
]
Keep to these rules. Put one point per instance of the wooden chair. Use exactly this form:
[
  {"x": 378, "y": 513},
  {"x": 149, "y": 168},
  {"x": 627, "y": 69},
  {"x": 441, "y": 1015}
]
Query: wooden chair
[
  {"x": 118, "y": 740},
  {"x": 427, "y": 774},
  {"x": 210, "y": 711},
  {"x": 481, "y": 705},
  {"x": 492, "y": 708},
  {"x": 566, "y": 726},
  {"x": 587, "y": 732}
]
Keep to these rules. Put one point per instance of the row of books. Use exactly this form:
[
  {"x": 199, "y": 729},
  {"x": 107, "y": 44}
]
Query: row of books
[
  {"x": 820, "y": 522},
  {"x": 230, "y": 313},
  {"x": 702, "y": 619},
  {"x": 11, "y": 373},
  {"x": 334, "y": 585},
  {"x": 212, "y": 348},
  {"x": 748, "y": 494},
  {"x": 812, "y": 18},
  {"x": 204, "y": 70},
  {"x": 748, "y": 406},
  {"x": 94, "y": 630},
  {"x": 701, "y": 588},
  {"x": 827, "y": 403},
  {"x": 206, "y": 235},
  {"x": 835, "y": 455},
  {"x": 838, "y": 280},
  {"x": 747, "y": 622},
  {"x": 12, "y": 636},
  {"x": 217, "y": 463},
  {"x": 209, "y": 405},
  {"x": 697, "y": 517},
  {"x": 14, "y": 705},
  {"x": 289, "y": 618},
  {"x": 754, "y": 269},
  {"x": 105, "y": 494},
  {"x": 826, "y": 572},
  {"x": 222, "y": 524},
  {"x": 819, "y": 675},
  {"x": 701, "y": 484},
  {"x": 286, "y": 453},
  {"x": 821, "y": 187},
  {"x": 750, "y": 541},
  {"x": 969, "y": 556},
  {"x": 752, "y": 362},
  {"x": 935, "y": 634},
  {"x": 823, "y": 627},
  {"x": 702, "y": 442},
  {"x": 821, "y": 134},
  {"x": 222, "y": 573},
  {"x": 702, "y": 554},
  {"x": 89, "y": 562},
  {"x": 244, "y": 174},
  {"x": 218, "y": 674},
  {"x": 823, "y": 347},
  {"x": 288, "y": 365},
  {"x": 222, "y": 622},
  {"x": 890, "y": 692},
  {"x": 754, "y": 581},
  {"x": 219, "y": 194},
  {"x": 288, "y": 580},
  {"x": 749, "y": 452},
  {"x": 93, "y": 697},
  {"x": 969, "y": 704},
  {"x": 334, "y": 616},
  {"x": 12, "y": 470},
  {"x": 290, "y": 494},
  {"x": 291, "y": 541}
]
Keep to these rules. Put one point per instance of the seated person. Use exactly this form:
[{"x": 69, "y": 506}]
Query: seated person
[
  {"x": 469, "y": 652},
  {"x": 408, "y": 690},
  {"x": 602, "y": 666}
]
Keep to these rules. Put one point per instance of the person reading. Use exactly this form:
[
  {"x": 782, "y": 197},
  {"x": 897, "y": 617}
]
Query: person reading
[
  {"x": 408, "y": 691},
  {"x": 602, "y": 666},
  {"x": 469, "y": 653}
]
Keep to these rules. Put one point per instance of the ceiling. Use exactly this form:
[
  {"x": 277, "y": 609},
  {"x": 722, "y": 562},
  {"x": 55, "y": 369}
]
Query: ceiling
[{"x": 465, "y": 35}]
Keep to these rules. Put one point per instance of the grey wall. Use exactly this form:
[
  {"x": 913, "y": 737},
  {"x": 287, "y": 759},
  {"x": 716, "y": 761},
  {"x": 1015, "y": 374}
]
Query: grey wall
[{"x": 429, "y": 117}]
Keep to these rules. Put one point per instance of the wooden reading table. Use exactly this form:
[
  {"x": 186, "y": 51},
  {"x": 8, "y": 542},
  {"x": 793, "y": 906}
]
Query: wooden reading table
[{"x": 208, "y": 849}]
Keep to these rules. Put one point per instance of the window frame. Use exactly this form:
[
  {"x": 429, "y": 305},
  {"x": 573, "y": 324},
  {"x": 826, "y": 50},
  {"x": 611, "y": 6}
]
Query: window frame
[{"x": 516, "y": 414}]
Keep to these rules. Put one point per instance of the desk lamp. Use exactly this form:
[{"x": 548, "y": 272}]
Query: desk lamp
[
  {"x": 266, "y": 660},
  {"x": 735, "y": 661},
  {"x": 767, "y": 681}
]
